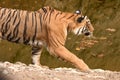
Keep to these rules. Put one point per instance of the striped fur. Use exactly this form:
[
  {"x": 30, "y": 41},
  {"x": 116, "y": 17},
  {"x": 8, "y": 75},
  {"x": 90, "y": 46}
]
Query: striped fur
[
  {"x": 19, "y": 26},
  {"x": 46, "y": 27}
]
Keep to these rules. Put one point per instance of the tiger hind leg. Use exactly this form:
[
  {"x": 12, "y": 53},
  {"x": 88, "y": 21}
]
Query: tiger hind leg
[{"x": 36, "y": 53}]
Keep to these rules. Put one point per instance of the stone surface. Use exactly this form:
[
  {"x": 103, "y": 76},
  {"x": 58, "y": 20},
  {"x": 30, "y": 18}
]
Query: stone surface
[{"x": 20, "y": 71}]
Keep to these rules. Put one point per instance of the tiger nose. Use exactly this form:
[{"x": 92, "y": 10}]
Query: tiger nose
[{"x": 87, "y": 33}]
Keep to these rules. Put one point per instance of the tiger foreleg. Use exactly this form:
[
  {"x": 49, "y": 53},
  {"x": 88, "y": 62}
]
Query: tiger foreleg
[
  {"x": 36, "y": 53},
  {"x": 63, "y": 53}
]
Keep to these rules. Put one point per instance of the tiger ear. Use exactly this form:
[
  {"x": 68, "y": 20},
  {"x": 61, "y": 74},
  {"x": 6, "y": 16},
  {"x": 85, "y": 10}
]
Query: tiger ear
[{"x": 78, "y": 12}]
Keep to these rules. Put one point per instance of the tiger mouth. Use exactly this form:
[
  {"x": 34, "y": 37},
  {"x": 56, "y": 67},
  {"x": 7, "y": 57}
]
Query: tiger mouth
[{"x": 87, "y": 33}]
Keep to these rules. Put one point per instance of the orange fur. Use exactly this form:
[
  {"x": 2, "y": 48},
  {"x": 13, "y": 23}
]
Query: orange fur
[{"x": 46, "y": 27}]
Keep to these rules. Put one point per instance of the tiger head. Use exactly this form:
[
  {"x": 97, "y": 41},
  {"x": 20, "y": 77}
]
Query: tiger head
[{"x": 81, "y": 25}]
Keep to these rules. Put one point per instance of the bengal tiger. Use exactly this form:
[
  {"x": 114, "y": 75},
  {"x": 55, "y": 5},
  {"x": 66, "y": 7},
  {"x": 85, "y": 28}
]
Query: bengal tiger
[{"x": 46, "y": 27}]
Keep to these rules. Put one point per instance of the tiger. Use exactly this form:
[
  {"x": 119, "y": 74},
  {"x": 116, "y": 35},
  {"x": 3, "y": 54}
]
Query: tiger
[{"x": 46, "y": 27}]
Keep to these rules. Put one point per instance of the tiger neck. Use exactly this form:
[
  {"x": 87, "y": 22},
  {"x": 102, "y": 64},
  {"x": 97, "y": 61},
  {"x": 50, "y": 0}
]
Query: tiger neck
[{"x": 70, "y": 21}]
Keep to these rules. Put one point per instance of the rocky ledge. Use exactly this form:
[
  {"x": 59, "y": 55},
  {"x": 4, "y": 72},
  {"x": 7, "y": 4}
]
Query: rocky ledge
[{"x": 20, "y": 71}]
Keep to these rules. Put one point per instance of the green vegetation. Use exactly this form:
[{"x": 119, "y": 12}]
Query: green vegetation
[{"x": 101, "y": 52}]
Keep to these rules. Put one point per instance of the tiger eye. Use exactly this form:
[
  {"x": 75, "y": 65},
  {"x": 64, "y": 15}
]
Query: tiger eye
[{"x": 80, "y": 19}]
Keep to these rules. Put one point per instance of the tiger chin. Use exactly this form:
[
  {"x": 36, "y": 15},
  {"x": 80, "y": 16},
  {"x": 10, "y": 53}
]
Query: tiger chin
[{"x": 47, "y": 28}]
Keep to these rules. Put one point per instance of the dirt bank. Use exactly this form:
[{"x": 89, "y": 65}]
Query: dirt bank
[{"x": 20, "y": 71}]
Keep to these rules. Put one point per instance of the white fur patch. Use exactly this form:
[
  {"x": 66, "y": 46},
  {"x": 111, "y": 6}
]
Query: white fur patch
[
  {"x": 36, "y": 59},
  {"x": 36, "y": 42},
  {"x": 78, "y": 31}
]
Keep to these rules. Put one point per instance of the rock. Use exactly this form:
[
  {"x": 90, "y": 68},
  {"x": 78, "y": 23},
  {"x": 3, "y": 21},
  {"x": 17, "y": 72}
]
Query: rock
[{"x": 20, "y": 71}]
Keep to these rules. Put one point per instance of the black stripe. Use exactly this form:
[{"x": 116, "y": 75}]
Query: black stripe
[
  {"x": 50, "y": 15},
  {"x": 13, "y": 35},
  {"x": 12, "y": 15},
  {"x": 62, "y": 17},
  {"x": 6, "y": 27},
  {"x": 78, "y": 31},
  {"x": 54, "y": 43},
  {"x": 40, "y": 16},
  {"x": 26, "y": 39},
  {"x": 28, "y": 16},
  {"x": 32, "y": 19},
  {"x": 35, "y": 50},
  {"x": 16, "y": 30},
  {"x": 9, "y": 36},
  {"x": 34, "y": 36},
  {"x": 44, "y": 10},
  {"x": 4, "y": 24},
  {"x": 25, "y": 29},
  {"x": 4, "y": 10},
  {"x": 70, "y": 16},
  {"x": 45, "y": 16},
  {"x": 59, "y": 42},
  {"x": 15, "y": 18},
  {"x": 17, "y": 40},
  {"x": 83, "y": 29},
  {"x": 56, "y": 15},
  {"x": 62, "y": 35},
  {"x": 6, "y": 18}
]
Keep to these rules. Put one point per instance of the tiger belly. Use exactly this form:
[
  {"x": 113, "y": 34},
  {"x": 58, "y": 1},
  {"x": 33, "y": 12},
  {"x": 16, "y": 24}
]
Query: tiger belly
[{"x": 36, "y": 43}]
